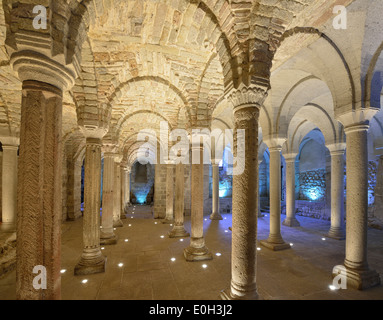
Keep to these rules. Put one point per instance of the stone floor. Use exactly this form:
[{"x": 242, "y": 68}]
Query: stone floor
[{"x": 147, "y": 273}]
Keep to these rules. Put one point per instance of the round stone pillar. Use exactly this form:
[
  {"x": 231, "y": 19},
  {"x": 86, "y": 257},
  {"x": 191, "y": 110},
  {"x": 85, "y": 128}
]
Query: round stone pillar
[
  {"x": 178, "y": 230},
  {"x": 92, "y": 260},
  {"x": 356, "y": 269},
  {"x": 215, "y": 201},
  {"x": 290, "y": 220},
  {"x": 107, "y": 236},
  {"x": 127, "y": 188},
  {"x": 275, "y": 241},
  {"x": 117, "y": 223},
  {"x": 123, "y": 192},
  {"x": 197, "y": 250},
  {"x": 258, "y": 194},
  {"x": 39, "y": 189},
  {"x": 337, "y": 192},
  {"x": 169, "y": 218},
  {"x": 9, "y": 181},
  {"x": 246, "y": 103},
  {"x": 244, "y": 236}
]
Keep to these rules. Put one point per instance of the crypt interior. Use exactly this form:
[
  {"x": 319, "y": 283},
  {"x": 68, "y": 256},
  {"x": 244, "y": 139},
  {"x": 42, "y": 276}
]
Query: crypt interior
[{"x": 108, "y": 83}]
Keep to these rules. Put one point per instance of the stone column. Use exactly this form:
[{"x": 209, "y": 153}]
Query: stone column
[
  {"x": 74, "y": 188},
  {"x": 197, "y": 250},
  {"x": 178, "y": 230},
  {"x": 215, "y": 201},
  {"x": 123, "y": 192},
  {"x": 337, "y": 192},
  {"x": 92, "y": 261},
  {"x": 291, "y": 220},
  {"x": 117, "y": 223},
  {"x": 127, "y": 188},
  {"x": 246, "y": 103},
  {"x": 169, "y": 218},
  {"x": 275, "y": 240},
  {"x": 9, "y": 180},
  {"x": 258, "y": 194},
  {"x": 107, "y": 236},
  {"x": 356, "y": 269},
  {"x": 39, "y": 189}
]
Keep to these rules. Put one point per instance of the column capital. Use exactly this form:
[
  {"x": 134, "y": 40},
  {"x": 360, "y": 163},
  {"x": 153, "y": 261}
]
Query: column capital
[
  {"x": 94, "y": 132},
  {"x": 109, "y": 148},
  {"x": 10, "y": 141},
  {"x": 35, "y": 66},
  {"x": 290, "y": 157},
  {"x": 336, "y": 148},
  {"x": 356, "y": 118},
  {"x": 118, "y": 158},
  {"x": 359, "y": 127},
  {"x": 247, "y": 96},
  {"x": 275, "y": 143}
]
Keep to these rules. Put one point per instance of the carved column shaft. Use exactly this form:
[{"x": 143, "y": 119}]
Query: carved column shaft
[
  {"x": 291, "y": 220},
  {"x": 215, "y": 201},
  {"x": 107, "y": 235},
  {"x": 169, "y": 194},
  {"x": 197, "y": 251},
  {"x": 123, "y": 192},
  {"x": 39, "y": 191},
  {"x": 9, "y": 182},
  {"x": 178, "y": 230},
  {"x": 117, "y": 196},
  {"x": 92, "y": 260}
]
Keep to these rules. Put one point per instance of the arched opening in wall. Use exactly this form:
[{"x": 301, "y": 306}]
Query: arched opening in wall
[
  {"x": 264, "y": 182},
  {"x": 313, "y": 177},
  {"x": 142, "y": 183}
]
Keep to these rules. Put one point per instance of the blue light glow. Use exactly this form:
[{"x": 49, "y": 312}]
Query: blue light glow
[{"x": 314, "y": 193}]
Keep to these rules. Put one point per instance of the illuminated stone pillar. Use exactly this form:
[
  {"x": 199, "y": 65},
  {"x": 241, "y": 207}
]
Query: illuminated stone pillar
[
  {"x": 258, "y": 194},
  {"x": 337, "y": 191},
  {"x": 107, "y": 236},
  {"x": 290, "y": 220},
  {"x": 127, "y": 188},
  {"x": 39, "y": 181},
  {"x": 356, "y": 269},
  {"x": 246, "y": 103},
  {"x": 9, "y": 180},
  {"x": 117, "y": 223},
  {"x": 275, "y": 241},
  {"x": 215, "y": 201},
  {"x": 123, "y": 191},
  {"x": 92, "y": 261},
  {"x": 169, "y": 218},
  {"x": 197, "y": 250},
  {"x": 178, "y": 230}
]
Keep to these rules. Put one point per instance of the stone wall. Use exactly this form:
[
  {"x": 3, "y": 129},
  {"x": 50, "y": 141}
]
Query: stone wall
[
  {"x": 160, "y": 191},
  {"x": 1, "y": 185},
  {"x": 312, "y": 185},
  {"x": 140, "y": 190}
]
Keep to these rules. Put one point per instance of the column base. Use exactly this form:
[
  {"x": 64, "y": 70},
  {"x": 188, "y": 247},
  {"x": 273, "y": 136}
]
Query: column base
[
  {"x": 275, "y": 246},
  {"x": 357, "y": 279},
  {"x": 260, "y": 214},
  {"x": 118, "y": 224},
  {"x": 192, "y": 254},
  {"x": 123, "y": 216},
  {"x": 168, "y": 221},
  {"x": 106, "y": 241},
  {"x": 86, "y": 267},
  {"x": 178, "y": 232},
  {"x": 336, "y": 233},
  {"x": 227, "y": 295},
  {"x": 291, "y": 222},
  {"x": 216, "y": 216}
]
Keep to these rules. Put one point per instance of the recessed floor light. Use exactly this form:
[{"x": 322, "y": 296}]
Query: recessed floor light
[
  {"x": 102, "y": 248},
  {"x": 155, "y": 222},
  {"x": 63, "y": 271},
  {"x": 218, "y": 254},
  {"x": 84, "y": 281},
  {"x": 259, "y": 249},
  {"x": 130, "y": 225},
  {"x": 114, "y": 229},
  {"x": 204, "y": 266},
  {"x": 332, "y": 287},
  {"x": 181, "y": 240},
  {"x": 162, "y": 237},
  {"x": 324, "y": 239},
  {"x": 120, "y": 265},
  {"x": 126, "y": 240},
  {"x": 226, "y": 231},
  {"x": 205, "y": 219},
  {"x": 173, "y": 259},
  {"x": 171, "y": 225},
  {"x": 291, "y": 244}
]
